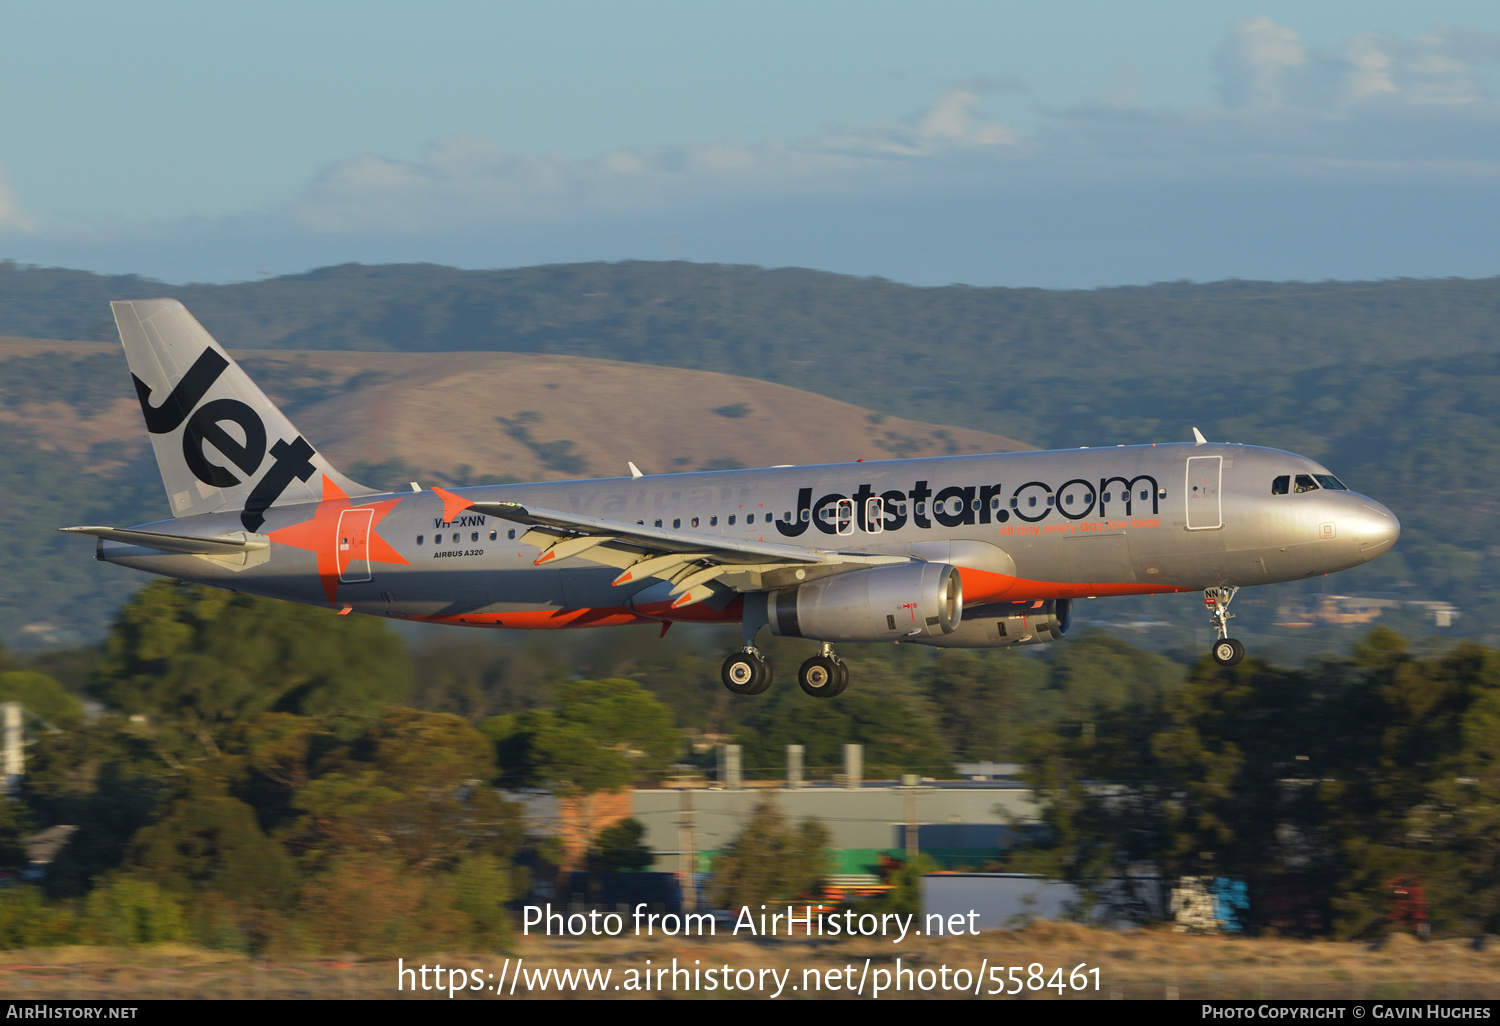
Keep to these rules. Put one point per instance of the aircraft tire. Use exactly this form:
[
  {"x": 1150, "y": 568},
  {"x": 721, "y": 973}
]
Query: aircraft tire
[
  {"x": 743, "y": 674},
  {"x": 1228, "y": 652},
  {"x": 843, "y": 678},
  {"x": 819, "y": 677},
  {"x": 764, "y": 680}
]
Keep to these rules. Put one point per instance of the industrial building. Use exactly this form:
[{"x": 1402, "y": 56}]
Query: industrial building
[{"x": 960, "y": 823}]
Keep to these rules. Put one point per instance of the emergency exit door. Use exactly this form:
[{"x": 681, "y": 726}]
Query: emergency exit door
[{"x": 1204, "y": 476}]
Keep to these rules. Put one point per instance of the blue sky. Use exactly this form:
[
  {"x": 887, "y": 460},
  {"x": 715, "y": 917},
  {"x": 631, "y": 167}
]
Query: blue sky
[{"x": 1059, "y": 144}]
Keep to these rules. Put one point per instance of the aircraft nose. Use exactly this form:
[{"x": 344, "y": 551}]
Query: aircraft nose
[{"x": 1378, "y": 529}]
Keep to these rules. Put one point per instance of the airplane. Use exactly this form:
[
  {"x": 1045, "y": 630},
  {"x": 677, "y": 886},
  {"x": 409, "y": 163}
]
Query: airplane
[{"x": 977, "y": 551}]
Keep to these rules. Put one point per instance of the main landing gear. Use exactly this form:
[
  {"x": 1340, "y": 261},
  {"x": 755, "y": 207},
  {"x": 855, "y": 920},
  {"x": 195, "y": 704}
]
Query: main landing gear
[
  {"x": 747, "y": 672},
  {"x": 824, "y": 675},
  {"x": 1226, "y": 651}
]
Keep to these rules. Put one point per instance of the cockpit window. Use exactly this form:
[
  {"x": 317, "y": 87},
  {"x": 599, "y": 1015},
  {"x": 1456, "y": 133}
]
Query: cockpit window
[
  {"x": 1329, "y": 481},
  {"x": 1305, "y": 483},
  {"x": 1281, "y": 485}
]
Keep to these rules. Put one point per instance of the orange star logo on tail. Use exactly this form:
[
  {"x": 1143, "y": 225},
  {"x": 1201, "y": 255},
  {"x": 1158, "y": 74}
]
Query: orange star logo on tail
[{"x": 321, "y": 536}]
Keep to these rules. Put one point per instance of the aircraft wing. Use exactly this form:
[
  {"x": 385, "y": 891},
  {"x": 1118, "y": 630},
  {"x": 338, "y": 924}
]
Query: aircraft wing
[{"x": 691, "y": 560}]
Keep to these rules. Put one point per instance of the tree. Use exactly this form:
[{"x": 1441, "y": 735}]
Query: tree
[
  {"x": 601, "y": 736},
  {"x": 414, "y": 787},
  {"x": 42, "y": 696},
  {"x": 770, "y": 860},
  {"x": 619, "y": 847},
  {"x": 207, "y": 840},
  {"x": 200, "y": 659}
]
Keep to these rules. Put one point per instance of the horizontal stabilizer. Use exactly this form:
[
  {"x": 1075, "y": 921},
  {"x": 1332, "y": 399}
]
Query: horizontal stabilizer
[{"x": 228, "y": 545}]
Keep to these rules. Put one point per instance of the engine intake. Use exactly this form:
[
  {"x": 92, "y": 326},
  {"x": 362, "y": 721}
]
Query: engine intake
[
  {"x": 884, "y": 603},
  {"x": 1021, "y": 623}
]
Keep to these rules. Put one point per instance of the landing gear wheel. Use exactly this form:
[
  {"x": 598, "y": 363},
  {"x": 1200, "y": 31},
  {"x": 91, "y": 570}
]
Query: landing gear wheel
[
  {"x": 843, "y": 678},
  {"x": 746, "y": 673},
  {"x": 1228, "y": 652},
  {"x": 819, "y": 676}
]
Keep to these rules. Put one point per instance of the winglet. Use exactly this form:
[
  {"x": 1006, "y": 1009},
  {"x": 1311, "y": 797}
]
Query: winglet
[
  {"x": 453, "y": 505},
  {"x": 1198, "y": 438},
  {"x": 635, "y": 471}
]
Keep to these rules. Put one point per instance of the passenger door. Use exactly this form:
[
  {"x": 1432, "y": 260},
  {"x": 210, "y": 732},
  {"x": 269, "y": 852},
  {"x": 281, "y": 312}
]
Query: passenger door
[
  {"x": 354, "y": 545},
  {"x": 1204, "y": 477}
]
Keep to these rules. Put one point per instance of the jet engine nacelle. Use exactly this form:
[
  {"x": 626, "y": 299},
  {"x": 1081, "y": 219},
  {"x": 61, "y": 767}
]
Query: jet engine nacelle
[
  {"x": 995, "y": 626},
  {"x": 883, "y": 603}
]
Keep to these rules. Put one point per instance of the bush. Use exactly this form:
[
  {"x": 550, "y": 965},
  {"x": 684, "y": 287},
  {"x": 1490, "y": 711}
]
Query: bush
[{"x": 124, "y": 911}]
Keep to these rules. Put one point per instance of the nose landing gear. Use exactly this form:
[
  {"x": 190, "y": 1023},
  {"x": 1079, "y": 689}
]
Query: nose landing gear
[
  {"x": 824, "y": 675},
  {"x": 1226, "y": 651}
]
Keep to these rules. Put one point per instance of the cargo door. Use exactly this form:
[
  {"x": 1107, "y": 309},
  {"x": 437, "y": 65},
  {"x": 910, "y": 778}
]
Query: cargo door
[
  {"x": 353, "y": 545},
  {"x": 1204, "y": 477}
]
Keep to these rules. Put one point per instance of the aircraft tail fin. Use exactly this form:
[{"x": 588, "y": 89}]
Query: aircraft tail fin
[{"x": 219, "y": 442}]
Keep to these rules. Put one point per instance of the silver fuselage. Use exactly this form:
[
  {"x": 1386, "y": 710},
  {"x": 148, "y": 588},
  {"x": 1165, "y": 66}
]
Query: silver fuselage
[{"x": 1020, "y": 526}]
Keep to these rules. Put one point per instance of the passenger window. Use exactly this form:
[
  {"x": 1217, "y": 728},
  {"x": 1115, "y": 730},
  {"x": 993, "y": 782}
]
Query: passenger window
[
  {"x": 921, "y": 509},
  {"x": 474, "y": 537},
  {"x": 437, "y": 539},
  {"x": 1031, "y": 500},
  {"x": 1068, "y": 499},
  {"x": 995, "y": 502},
  {"x": 1051, "y": 500},
  {"x": 806, "y": 516},
  {"x": 1145, "y": 494},
  {"x": 1305, "y": 484},
  {"x": 455, "y": 537},
  {"x": 695, "y": 521},
  {"x": 658, "y": 523},
  {"x": 494, "y": 535},
  {"x": 1281, "y": 485},
  {"x": 419, "y": 539},
  {"x": 511, "y": 534},
  {"x": 1331, "y": 482},
  {"x": 713, "y": 521},
  {"x": 1109, "y": 496},
  {"x": 677, "y": 522},
  {"x": 750, "y": 518},
  {"x": 731, "y": 520}
]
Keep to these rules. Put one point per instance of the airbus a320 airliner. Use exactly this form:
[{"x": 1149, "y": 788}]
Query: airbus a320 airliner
[{"x": 961, "y": 551}]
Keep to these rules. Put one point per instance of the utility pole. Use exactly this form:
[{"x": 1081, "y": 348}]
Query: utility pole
[{"x": 14, "y": 752}]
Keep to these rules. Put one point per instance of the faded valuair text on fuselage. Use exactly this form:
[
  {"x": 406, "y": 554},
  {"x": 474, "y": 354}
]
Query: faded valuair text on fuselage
[{"x": 1122, "y": 520}]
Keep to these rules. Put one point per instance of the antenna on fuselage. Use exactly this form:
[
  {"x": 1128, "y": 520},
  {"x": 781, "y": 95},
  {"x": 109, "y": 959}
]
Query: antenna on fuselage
[{"x": 1198, "y": 438}]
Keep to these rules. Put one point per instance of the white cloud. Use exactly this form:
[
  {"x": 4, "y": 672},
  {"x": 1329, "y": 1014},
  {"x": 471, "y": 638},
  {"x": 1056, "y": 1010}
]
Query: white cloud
[
  {"x": 1264, "y": 66},
  {"x": 1255, "y": 60}
]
